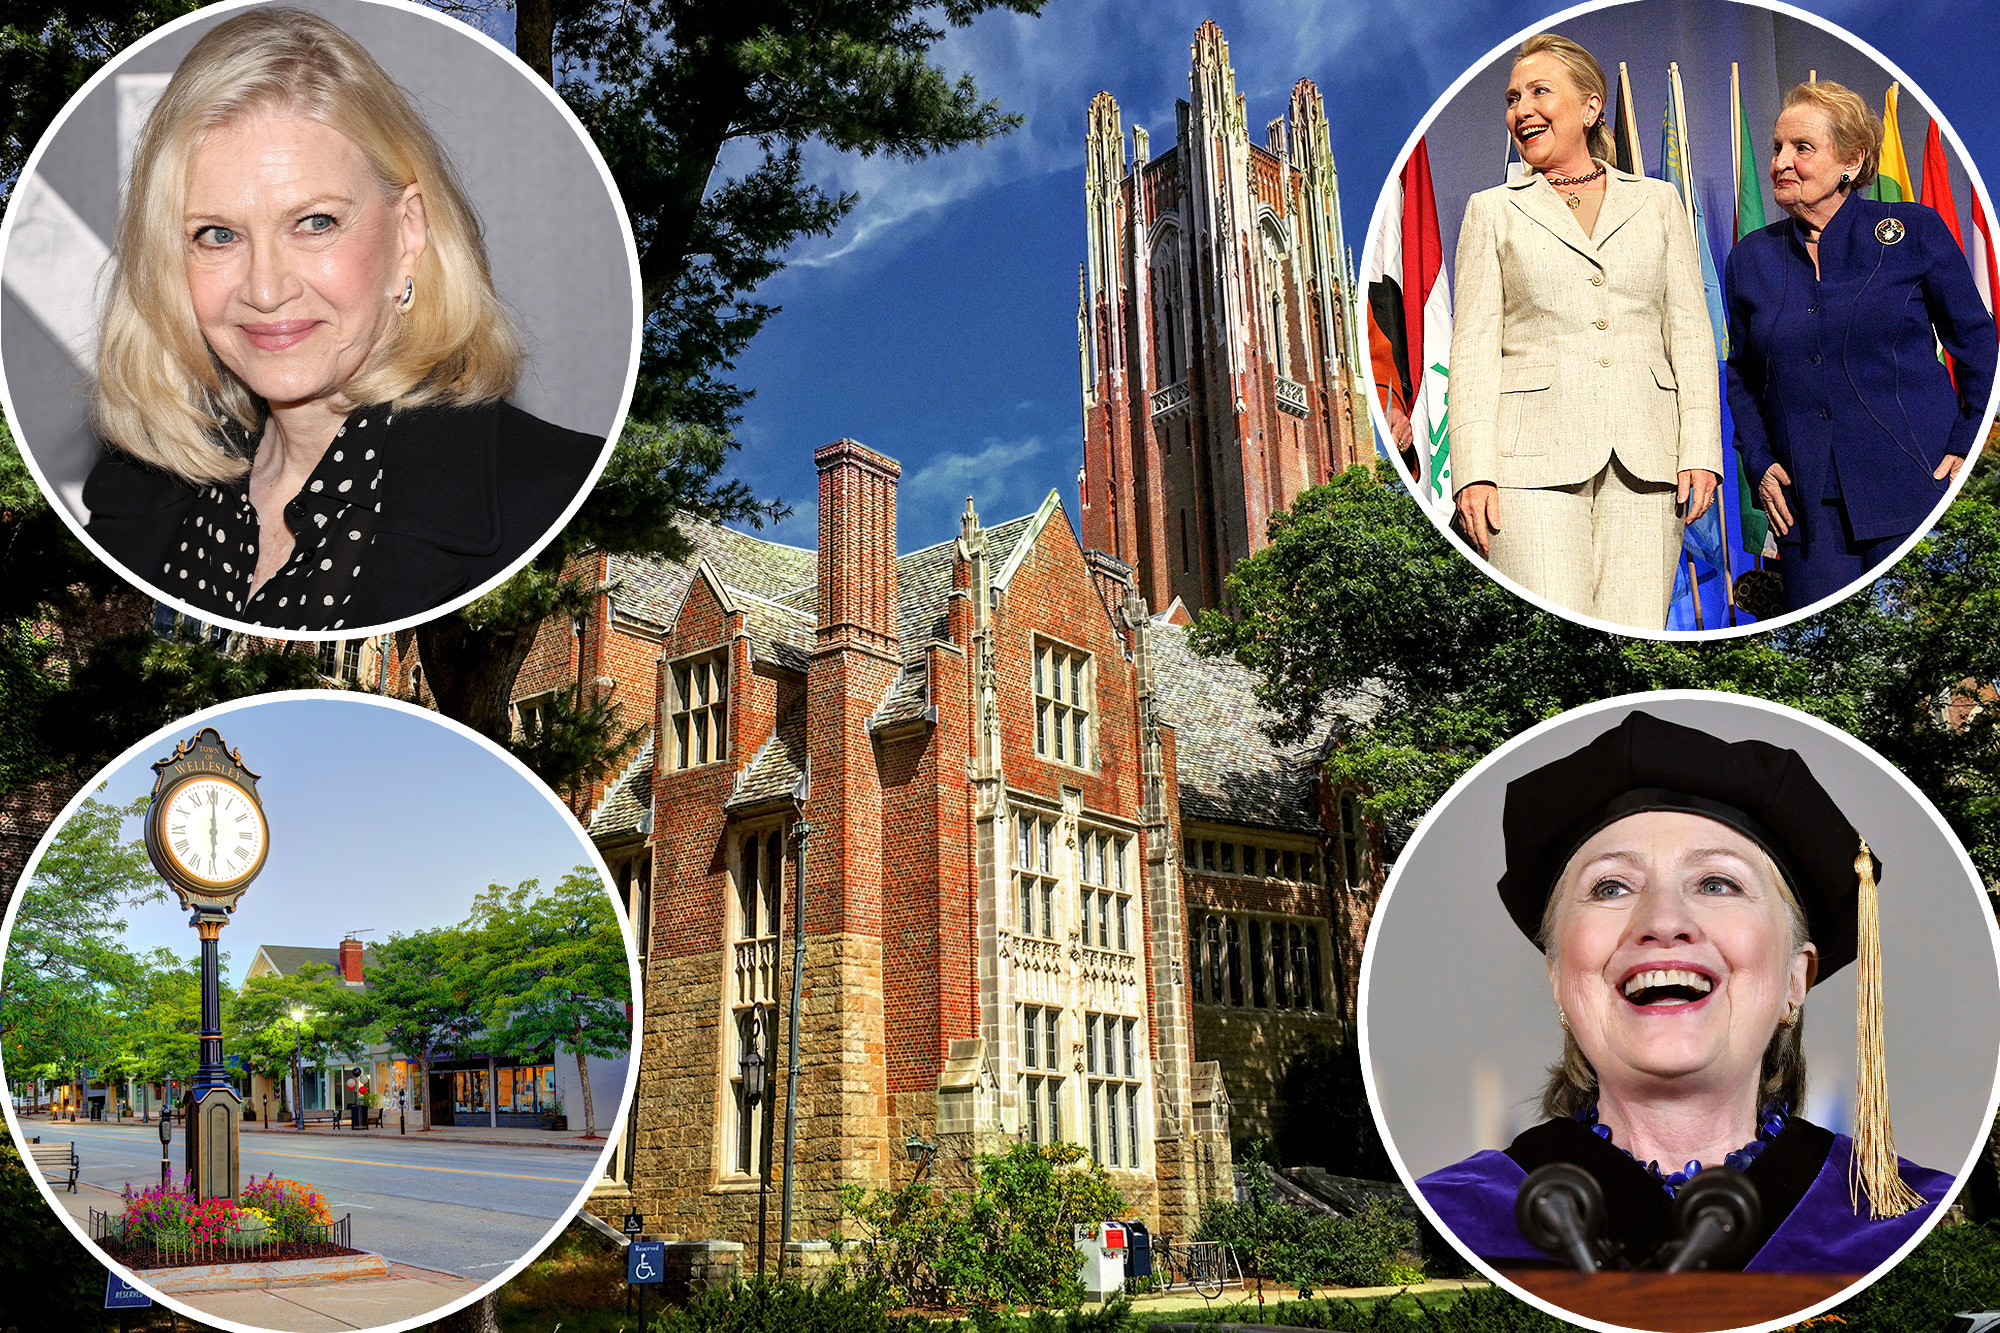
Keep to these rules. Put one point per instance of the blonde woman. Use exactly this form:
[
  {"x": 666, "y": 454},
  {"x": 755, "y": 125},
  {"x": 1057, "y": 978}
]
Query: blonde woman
[
  {"x": 303, "y": 361},
  {"x": 1585, "y": 425}
]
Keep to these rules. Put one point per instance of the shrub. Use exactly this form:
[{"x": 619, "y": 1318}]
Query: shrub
[
  {"x": 1954, "y": 1268},
  {"x": 765, "y": 1306},
  {"x": 1277, "y": 1241},
  {"x": 1008, "y": 1241}
]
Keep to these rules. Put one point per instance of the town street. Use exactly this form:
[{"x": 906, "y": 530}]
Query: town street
[{"x": 464, "y": 1208}]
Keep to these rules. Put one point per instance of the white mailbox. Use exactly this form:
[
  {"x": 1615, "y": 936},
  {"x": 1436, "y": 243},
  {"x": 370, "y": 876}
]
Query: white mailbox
[{"x": 1103, "y": 1250}]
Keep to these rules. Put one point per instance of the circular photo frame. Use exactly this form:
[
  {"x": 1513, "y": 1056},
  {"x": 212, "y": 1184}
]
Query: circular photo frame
[
  {"x": 389, "y": 1160},
  {"x": 471, "y": 484},
  {"x": 1557, "y": 369},
  {"x": 1461, "y": 1039}
]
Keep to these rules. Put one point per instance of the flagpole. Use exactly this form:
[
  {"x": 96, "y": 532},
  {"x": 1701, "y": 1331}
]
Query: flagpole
[
  {"x": 1735, "y": 150},
  {"x": 1681, "y": 130},
  {"x": 1627, "y": 124}
]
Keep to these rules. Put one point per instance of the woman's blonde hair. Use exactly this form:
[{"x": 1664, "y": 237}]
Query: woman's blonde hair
[
  {"x": 1855, "y": 128},
  {"x": 1586, "y": 79},
  {"x": 162, "y": 394},
  {"x": 1572, "y": 1082}
]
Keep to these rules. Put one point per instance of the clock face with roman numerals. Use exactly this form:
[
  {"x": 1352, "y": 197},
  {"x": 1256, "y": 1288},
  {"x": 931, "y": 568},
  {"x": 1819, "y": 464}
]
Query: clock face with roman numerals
[{"x": 212, "y": 832}]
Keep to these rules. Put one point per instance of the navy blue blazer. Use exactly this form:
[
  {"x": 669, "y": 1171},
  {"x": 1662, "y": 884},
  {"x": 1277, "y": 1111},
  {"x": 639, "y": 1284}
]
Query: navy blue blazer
[{"x": 1837, "y": 377}]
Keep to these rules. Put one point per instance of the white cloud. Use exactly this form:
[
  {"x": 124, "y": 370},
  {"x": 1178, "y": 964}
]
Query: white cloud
[{"x": 995, "y": 475}]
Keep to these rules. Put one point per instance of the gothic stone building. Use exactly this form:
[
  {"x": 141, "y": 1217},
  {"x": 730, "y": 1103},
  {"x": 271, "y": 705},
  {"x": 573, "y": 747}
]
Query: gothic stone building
[
  {"x": 1056, "y": 885},
  {"x": 1216, "y": 332}
]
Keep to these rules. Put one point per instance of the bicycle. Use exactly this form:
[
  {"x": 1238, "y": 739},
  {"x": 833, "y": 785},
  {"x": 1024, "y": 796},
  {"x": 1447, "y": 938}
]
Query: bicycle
[{"x": 1200, "y": 1266}]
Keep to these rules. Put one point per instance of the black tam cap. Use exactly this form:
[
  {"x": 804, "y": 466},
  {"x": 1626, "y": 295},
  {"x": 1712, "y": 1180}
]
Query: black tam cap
[{"x": 1644, "y": 763}]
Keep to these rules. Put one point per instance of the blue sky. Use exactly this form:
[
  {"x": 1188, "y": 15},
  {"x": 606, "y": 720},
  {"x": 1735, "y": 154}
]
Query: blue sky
[
  {"x": 938, "y": 325},
  {"x": 381, "y": 820}
]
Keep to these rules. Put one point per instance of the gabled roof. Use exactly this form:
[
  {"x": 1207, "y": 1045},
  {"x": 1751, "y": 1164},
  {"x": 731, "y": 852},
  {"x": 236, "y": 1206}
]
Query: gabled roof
[
  {"x": 630, "y": 801},
  {"x": 651, "y": 589},
  {"x": 923, "y": 581},
  {"x": 287, "y": 959},
  {"x": 1228, "y": 769}
]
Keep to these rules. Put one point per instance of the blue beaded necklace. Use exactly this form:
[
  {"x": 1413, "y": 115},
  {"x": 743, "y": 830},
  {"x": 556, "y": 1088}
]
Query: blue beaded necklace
[{"x": 1770, "y": 1123}]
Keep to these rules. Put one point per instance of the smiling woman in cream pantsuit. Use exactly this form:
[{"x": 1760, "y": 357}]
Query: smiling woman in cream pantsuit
[{"x": 1584, "y": 405}]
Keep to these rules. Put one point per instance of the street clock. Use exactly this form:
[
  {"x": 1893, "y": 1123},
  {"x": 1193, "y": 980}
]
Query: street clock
[{"x": 205, "y": 828}]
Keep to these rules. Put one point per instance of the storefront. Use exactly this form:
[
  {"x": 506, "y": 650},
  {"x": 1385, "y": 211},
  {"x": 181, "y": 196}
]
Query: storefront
[{"x": 496, "y": 1092}]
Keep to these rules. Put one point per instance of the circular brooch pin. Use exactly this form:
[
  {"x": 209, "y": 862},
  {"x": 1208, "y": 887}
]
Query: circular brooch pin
[{"x": 1888, "y": 231}]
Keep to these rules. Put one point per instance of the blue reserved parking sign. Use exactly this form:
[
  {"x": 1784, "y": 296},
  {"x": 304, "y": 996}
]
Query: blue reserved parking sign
[
  {"x": 646, "y": 1262},
  {"x": 122, "y": 1295}
]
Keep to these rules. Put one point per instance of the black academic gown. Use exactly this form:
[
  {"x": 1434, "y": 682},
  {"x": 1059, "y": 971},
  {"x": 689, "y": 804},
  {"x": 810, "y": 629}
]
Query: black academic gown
[{"x": 1809, "y": 1224}]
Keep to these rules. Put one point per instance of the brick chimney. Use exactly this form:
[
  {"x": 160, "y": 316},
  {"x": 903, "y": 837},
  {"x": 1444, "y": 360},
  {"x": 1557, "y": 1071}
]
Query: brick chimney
[
  {"x": 857, "y": 546},
  {"x": 350, "y": 960}
]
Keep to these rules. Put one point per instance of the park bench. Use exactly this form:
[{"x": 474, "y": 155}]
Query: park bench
[
  {"x": 315, "y": 1117},
  {"x": 56, "y": 1160}
]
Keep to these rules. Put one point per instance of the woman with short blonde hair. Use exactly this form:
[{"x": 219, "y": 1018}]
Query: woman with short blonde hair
[{"x": 295, "y": 261}]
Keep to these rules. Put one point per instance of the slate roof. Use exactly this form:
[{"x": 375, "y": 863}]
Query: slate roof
[
  {"x": 631, "y": 797},
  {"x": 777, "y": 767},
  {"x": 652, "y": 589},
  {"x": 1229, "y": 771},
  {"x": 778, "y": 633}
]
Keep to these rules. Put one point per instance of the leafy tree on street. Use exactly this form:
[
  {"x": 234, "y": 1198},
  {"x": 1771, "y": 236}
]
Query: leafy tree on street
[
  {"x": 427, "y": 997},
  {"x": 155, "y": 1021},
  {"x": 558, "y": 973},
  {"x": 336, "y": 1019},
  {"x": 66, "y": 956}
]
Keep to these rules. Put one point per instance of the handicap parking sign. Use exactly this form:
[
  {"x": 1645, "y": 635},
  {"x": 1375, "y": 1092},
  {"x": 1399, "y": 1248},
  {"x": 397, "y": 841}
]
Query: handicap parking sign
[
  {"x": 122, "y": 1295},
  {"x": 646, "y": 1262}
]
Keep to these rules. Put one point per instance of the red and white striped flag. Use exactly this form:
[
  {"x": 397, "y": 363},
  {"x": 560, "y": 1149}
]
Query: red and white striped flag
[{"x": 1984, "y": 263}]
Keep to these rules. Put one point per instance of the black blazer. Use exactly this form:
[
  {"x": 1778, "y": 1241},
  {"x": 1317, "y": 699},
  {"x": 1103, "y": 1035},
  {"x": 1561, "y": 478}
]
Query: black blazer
[{"x": 465, "y": 491}]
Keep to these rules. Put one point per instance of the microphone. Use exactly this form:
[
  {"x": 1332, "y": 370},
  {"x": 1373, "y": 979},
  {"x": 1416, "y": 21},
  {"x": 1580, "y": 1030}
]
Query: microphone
[
  {"x": 1560, "y": 1209},
  {"x": 1717, "y": 1215}
]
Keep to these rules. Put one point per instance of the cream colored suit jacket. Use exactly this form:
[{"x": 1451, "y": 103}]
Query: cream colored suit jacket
[{"x": 1567, "y": 349}]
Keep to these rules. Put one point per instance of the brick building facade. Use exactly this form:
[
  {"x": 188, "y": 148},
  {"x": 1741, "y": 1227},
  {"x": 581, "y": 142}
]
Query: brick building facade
[
  {"x": 1008, "y": 788},
  {"x": 1215, "y": 332}
]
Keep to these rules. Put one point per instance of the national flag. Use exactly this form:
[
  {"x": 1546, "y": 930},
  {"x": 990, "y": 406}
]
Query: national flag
[
  {"x": 1755, "y": 524},
  {"x": 1409, "y": 315},
  {"x": 1937, "y": 195},
  {"x": 1985, "y": 264},
  {"x": 1625, "y": 129},
  {"x": 1892, "y": 175},
  {"x": 1704, "y": 541},
  {"x": 1749, "y": 181}
]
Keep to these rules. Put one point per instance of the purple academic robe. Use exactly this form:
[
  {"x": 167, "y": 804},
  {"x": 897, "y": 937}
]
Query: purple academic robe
[{"x": 1809, "y": 1225}]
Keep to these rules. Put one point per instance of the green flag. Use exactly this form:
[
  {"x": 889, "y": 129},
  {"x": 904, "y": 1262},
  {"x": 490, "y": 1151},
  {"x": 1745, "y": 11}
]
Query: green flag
[{"x": 1755, "y": 524}]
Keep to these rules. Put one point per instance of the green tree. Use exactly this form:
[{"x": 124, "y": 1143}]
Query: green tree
[
  {"x": 65, "y": 956},
  {"x": 1357, "y": 597},
  {"x": 557, "y": 972},
  {"x": 428, "y": 996},
  {"x": 334, "y": 1020},
  {"x": 157, "y": 1020}
]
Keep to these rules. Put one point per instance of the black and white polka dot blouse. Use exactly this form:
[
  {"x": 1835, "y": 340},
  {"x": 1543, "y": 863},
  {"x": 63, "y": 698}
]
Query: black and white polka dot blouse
[{"x": 333, "y": 521}]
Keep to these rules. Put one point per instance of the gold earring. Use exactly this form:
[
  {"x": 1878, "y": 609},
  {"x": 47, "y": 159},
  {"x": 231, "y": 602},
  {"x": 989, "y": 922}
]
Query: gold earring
[
  {"x": 1793, "y": 1012},
  {"x": 1562, "y": 1018}
]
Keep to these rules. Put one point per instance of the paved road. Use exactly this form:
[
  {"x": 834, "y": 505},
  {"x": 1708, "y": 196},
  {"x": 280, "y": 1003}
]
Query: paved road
[{"x": 470, "y": 1209}]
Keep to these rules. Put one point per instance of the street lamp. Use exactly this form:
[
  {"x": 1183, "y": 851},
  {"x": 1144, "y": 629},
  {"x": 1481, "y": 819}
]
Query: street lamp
[
  {"x": 298, "y": 1075},
  {"x": 923, "y": 1154},
  {"x": 751, "y": 1067}
]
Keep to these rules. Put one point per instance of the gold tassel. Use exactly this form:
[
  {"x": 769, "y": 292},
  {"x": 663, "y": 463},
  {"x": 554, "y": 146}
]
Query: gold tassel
[{"x": 1873, "y": 1168}]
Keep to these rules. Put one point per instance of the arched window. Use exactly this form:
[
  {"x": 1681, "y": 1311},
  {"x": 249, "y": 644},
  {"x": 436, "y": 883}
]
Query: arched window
[
  {"x": 1169, "y": 323},
  {"x": 1277, "y": 342}
]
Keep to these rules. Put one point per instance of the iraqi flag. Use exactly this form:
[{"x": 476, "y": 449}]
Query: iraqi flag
[{"x": 1409, "y": 324}]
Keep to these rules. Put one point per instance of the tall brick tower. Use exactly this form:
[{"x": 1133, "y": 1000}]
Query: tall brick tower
[{"x": 1215, "y": 332}]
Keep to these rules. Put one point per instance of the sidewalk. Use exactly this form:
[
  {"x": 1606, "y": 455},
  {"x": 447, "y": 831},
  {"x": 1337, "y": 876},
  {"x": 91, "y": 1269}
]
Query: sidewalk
[
  {"x": 316, "y": 1307},
  {"x": 1276, "y": 1295},
  {"x": 52, "y": 1131}
]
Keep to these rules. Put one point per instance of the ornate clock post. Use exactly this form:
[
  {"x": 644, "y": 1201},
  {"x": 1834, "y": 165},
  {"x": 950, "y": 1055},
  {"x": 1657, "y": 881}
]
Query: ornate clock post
[{"x": 206, "y": 832}]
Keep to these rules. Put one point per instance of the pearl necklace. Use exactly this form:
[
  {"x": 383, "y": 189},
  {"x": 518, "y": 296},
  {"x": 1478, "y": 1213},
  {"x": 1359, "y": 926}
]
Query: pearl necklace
[
  {"x": 1575, "y": 200},
  {"x": 1770, "y": 1124}
]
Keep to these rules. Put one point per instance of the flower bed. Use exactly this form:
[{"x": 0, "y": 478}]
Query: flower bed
[{"x": 167, "y": 1227}]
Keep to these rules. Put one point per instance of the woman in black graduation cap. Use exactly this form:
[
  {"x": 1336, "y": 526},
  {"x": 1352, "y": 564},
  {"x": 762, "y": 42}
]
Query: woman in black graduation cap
[{"x": 1687, "y": 893}]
